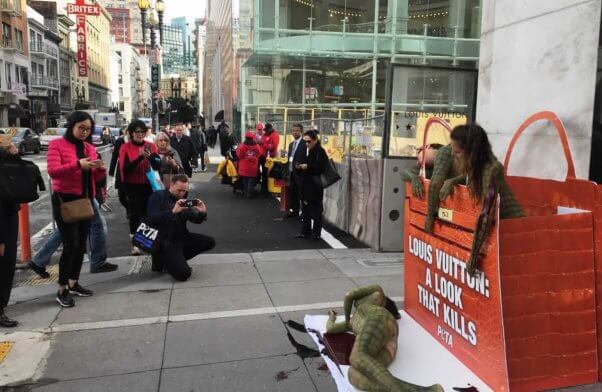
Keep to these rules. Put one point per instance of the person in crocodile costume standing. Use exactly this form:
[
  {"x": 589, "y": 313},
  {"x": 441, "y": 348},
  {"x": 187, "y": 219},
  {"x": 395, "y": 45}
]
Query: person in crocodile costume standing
[
  {"x": 375, "y": 327},
  {"x": 484, "y": 176}
]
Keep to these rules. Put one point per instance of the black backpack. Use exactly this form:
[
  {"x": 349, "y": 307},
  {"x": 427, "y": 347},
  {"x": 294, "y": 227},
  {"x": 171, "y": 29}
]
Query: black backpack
[{"x": 19, "y": 180}]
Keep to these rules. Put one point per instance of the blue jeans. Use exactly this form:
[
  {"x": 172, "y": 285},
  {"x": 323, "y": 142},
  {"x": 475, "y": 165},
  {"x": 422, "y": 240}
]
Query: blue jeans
[{"x": 97, "y": 237}]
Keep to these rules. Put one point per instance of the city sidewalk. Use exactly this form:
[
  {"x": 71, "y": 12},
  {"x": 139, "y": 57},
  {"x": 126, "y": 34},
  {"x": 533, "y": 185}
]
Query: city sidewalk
[{"x": 223, "y": 330}]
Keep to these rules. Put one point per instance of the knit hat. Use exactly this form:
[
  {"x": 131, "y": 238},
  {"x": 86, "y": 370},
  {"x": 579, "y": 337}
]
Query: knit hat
[
  {"x": 249, "y": 135},
  {"x": 259, "y": 126}
]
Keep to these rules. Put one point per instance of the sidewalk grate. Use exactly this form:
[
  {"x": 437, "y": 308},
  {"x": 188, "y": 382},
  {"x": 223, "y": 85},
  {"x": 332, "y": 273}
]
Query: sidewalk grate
[
  {"x": 5, "y": 349},
  {"x": 26, "y": 277},
  {"x": 385, "y": 262}
]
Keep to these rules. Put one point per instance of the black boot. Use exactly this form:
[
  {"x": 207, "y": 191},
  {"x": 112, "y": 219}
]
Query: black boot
[{"x": 5, "y": 322}]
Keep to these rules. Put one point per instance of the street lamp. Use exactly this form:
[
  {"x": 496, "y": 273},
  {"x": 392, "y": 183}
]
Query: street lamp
[
  {"x": 160, "y": 8},
  {"x": 152, "y": 23},
  {"x": 144, "y": 5}
]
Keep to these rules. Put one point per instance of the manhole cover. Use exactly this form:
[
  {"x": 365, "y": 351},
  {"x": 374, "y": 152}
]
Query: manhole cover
[
  {"x": 385, "y": 262},
  {"x": 5, "y": 349}
]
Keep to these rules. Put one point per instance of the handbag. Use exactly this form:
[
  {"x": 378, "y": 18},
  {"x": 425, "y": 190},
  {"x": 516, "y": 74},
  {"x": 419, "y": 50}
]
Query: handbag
[
  {"x": 328, "y": 177},
  {"x": 77, "y": 210},
  {"x": 206, "y": 159},
  {"x": 154, "y": 180},
  {"x": 147, "y": 238}
]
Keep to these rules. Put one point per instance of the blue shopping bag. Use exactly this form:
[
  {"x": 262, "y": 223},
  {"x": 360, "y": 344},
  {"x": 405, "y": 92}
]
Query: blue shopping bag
[{"x": 154, "y": 180}]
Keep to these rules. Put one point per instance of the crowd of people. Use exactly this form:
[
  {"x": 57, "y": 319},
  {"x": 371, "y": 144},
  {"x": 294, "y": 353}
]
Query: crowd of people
[{"x": 79, "y": 179}]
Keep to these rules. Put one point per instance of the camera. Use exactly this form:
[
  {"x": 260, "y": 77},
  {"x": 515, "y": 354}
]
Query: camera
[{"x": 191, "y": 203}]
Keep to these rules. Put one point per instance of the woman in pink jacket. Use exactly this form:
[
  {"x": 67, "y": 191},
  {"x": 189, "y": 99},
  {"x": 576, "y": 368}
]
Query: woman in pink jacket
[{"x": 72, "y": 166}]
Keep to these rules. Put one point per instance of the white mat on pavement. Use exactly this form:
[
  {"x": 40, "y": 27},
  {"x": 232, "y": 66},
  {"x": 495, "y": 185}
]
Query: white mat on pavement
[{"x": 420, "y": 359}]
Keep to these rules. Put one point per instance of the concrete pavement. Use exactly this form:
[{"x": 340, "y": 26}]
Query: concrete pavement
[{"x": 220, "y": 331}]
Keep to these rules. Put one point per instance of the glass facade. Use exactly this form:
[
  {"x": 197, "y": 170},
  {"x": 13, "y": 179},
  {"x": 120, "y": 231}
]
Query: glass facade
[{"x": 315, "y": 58}]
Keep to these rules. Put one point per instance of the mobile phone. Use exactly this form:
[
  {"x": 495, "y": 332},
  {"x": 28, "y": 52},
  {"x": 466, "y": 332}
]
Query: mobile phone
[{"x": 191, "y": 203}]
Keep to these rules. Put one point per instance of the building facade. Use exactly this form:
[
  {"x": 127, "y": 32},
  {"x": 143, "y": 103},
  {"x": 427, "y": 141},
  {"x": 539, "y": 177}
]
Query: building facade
[
  {"x": 66, "y": 60},
  {"x": 98, "y": 30},
  {"x": 44, "y": 77},
  {"x": 121, "y": 26},
  {"x": 221, "y": 78},
  {"x": 172, "y": 49},
  {"x": 313, "y": 59},
  {"x": 14, "y": 64},
  {"x": 130, "y": 89},
  {"x": 126, "y": 22}
]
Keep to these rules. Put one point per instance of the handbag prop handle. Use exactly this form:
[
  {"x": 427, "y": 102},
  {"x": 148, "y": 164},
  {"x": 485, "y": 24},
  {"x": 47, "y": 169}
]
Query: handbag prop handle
[
  {"x": 554, "y": 120},
  {"x": 429, "y": 123}
]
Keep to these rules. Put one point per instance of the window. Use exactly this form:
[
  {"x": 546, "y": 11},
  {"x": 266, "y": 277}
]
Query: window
[
  {"x": 8, "y": 74},
  {"x": 18, "y": 39},
  {"x": 6, "y": 35}
]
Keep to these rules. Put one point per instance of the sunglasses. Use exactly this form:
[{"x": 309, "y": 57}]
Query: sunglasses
[{"x": 140, "y": 131}]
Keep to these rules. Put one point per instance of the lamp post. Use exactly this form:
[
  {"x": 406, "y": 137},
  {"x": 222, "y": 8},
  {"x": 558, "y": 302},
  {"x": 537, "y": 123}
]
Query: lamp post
[
  {"x": 152, "y": 23},
  {"x": 160, "y": 8}
]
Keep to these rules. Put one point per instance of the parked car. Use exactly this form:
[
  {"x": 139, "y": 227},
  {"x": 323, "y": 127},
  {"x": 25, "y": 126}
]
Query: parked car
[
  {"x": 50, "y": 134},
  {"x": 24, "y": 139}
]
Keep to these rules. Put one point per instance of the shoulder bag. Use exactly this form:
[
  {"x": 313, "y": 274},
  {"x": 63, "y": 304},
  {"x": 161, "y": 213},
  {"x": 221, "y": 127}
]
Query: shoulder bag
[
  {"x": 328, "y": 177},
  {"x": 77, "y": 210}
]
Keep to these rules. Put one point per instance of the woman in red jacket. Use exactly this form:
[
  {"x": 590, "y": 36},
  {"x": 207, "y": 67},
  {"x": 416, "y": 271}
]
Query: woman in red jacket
[
  {"x": 136, "y": 157},
  {"x": 248, "y": 154},
  {"x": 73, "y": 167}
]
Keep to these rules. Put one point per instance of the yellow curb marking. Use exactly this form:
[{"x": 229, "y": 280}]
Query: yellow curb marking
[{"x": 5, "y": 349}]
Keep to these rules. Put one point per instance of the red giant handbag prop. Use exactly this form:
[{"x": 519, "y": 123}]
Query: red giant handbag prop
[{"x": 528, "y": 321}]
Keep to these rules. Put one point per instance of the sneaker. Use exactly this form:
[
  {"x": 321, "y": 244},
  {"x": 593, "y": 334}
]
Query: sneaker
[
  {"x": 40, "y": 271},
  {"x": 105, "y": 267},
  {"x": 80, "y": 291},
  {"x": 136, "y": 251},
  {"x": 65, "y": 299}
]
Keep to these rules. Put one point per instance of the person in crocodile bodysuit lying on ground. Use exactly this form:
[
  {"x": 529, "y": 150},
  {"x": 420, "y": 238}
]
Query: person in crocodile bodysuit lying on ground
[
  {"x": 484, "y": 176},
  {"x": 375, "y": 327}
]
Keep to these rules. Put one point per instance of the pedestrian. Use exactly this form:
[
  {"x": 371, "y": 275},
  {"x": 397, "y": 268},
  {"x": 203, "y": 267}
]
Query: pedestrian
[
  {"x": 297, "y": 151},
  {"x": 170, "y": 159},
  {"x": 269, "y": 144},
  {"x": 248, "y": 154},
  {"x": 202, "y": 138},
  {"x": 106, "y": 136},
  {"x": 183, "y": 145},
  {"x": 72, "y": 166},
  {"x": 9, "y": 229},
  {"x": 312, "y": 195},
  {"x": 123, "y": 138},
  {"x": 168, "y": 211},
  {"x": 227, "y": 141},
  {"x": 97, "y": 238},
  {"x": 195, "y": 136},
  {"x": 136, "y": 158}
]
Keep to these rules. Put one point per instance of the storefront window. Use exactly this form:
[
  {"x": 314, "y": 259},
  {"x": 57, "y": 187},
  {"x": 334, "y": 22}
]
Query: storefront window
[{"x": 420, "y": 93}]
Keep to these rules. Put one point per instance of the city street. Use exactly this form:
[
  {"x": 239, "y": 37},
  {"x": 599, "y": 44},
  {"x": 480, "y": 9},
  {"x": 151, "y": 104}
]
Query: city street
[{"x": 142, "y": 331}]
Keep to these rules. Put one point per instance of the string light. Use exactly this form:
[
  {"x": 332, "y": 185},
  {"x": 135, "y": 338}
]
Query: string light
[
  {"x": 429, "y": 15},
  {"x": 335, "y": 12},
  {"x": 305, "y": 2}
]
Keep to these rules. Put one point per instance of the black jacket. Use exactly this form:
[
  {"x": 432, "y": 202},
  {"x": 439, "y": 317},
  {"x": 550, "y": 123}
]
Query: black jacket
[
  {"x": 171, "y": 226},
  {"x": 316, "y": 161},
  {"x": 185, "y": 149},
  {"x": 114, "y": 160},
  {"x": 300, "y": 156}
]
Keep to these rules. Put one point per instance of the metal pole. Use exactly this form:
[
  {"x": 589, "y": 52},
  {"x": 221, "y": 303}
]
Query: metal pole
[{"x": 154, "y": 108}]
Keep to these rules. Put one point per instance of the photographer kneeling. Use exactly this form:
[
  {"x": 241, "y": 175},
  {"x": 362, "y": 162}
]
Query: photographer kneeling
[{"x": 168, "y": 211}]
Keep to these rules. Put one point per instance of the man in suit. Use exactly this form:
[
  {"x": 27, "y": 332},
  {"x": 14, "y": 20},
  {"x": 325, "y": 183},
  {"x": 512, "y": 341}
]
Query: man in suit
[
  {"x": 297, "y": 151},
  {"x": 185, "y": 148}
]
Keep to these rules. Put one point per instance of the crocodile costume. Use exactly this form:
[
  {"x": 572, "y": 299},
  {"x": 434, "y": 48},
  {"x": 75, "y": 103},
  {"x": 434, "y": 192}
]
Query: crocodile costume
[
  {"x": 375, "y": 344},
  {"x": 494, "y": 183}
]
